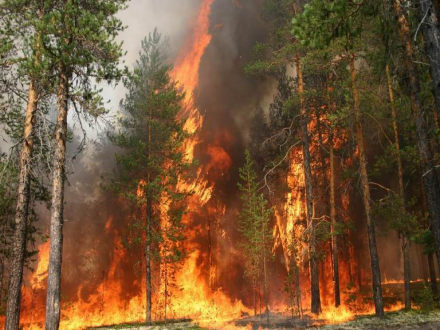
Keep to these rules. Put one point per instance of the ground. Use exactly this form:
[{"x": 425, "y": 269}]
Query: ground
[
  {"x": 403, "y": 320},
  {"x": 395, "y": 320}
]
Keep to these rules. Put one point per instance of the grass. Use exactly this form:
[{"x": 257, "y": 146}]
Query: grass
[
  {"x": 174, "y": 324},
  {"x": 391, "y": 320}
]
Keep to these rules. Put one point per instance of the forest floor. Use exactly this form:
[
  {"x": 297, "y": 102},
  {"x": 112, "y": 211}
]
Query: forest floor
[
  {"x": 402, "y": 320},
  {"x": 393, "y": 320}
]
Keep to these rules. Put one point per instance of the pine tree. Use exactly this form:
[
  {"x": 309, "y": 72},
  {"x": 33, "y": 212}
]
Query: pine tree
[
  {"x": 323, "y": 23},
  {"x": 152, "y": 160},
  {"x": 21, "y": 52},
  {"x": 431, "y": 31},
  {"x": 254, "y": 226},
  {"x": 80, "y": 38},
  {"x": 430, "y": 178}
]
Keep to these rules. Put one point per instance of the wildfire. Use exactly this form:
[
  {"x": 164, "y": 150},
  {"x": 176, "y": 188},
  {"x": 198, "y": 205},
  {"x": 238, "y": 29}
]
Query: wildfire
[{"x": 193, "y": 295}]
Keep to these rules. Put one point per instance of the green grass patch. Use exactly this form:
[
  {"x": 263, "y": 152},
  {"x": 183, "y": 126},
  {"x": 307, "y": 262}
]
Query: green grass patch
[{"x": 391, "y": 320}]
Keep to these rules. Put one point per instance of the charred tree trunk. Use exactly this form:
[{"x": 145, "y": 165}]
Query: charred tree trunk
[
  {"x": 254, "y": 287},
  {"x": 431, "y": 32},
  {"x": 332, "y": 204},
  {"x": 298, "y": 292},
  {"x": 148, "y": 237},
  {"x": 335, "y": 256},
  {"x": 166, "y": 290},
  {"x": 432, "y": 275},
  {"x": 22, "y": 207},
  {"x": 430, "y": 179},
  {"x": 57, "y": 207},
  {"x": 21, "y": 214},
  {"x": 375, "y": 268},
  {"x": 404, "y": 236},
  {"x": 148, "y": 262},
  {"x": 266, "y": 300},
  {"x": 314, "y": 273}
]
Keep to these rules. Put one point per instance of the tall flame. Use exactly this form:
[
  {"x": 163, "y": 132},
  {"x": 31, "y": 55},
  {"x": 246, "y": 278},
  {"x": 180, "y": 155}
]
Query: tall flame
[{"x": 191, "y": 296}]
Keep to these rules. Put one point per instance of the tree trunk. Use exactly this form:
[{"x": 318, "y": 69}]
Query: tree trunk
[
  {"x": 335, "y": 257},
  {"x": 22, "y": 207},
  {"x": 333, "y": 221},
  {"x": 432, "y": 275},
  {"x": 430, "y": 179},
  {"x": 314, "y": 274},
  {"x": 265, "y": 267},
  {"x": 298, "y": 292},
  {"x": 57, "y": 208},
  {"x": 404, "y": 236},
  {"x": 431, "y": 33},
  {"x": 375, "y": 268},
  {"x": 254, "y": 286},
  {"x": 166, "y": 290},
  {"x": 148, "y": 236},
  {"x": 21, "y": 214},
  {"x": 148, "y": 263}
]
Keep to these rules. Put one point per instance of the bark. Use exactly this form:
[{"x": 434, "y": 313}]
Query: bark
[
  {"x": 57, "y": 206},
  {"x": 314, "y": 273},
  {"x": 265, "y": 287},
  {"x": 432, "y": 275},
  {"x": 298, "y": 292},
  {"x": 431, "y": 34},
  {"x": 429, "y": 175},
  {"x": 148, "y": 236},
  {"x": 21, "y": 214},
  {"x": 265, "y": 269},
  {"x": 374, "y": 258},
  {"x": 437, "y": 9},
  {"x": 333, "y": 221},
  {"x": 335, "y": 257},
  {"x": 22, "y": 207},
  {"x": 148, "y": 262},
  {"x": 255, "y": 298},
  {"x": 404, "y": 235},
  {"x": 166, "y": 289}
]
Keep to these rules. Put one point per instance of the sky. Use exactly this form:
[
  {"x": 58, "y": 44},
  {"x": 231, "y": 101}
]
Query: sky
[{"x": 172, "y": 18}]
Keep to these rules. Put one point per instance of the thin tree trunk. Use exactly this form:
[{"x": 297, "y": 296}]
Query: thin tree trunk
[
  {"x": 314, "y": 273},
  {"x": 166, "y": 289},
  {"x": 265, "y": 287},
  {"x": 148, "y": 236},
  {"x": 404, "y": 237},
  {"x": 265, "y": 268},
  {"x": 334, "y": 235},
  {"x": 437, "y": 9},
  {"x": 430, "y": 179},
  {"x": 298, "y": 292},
  {"x": 432, "y": 275},
  {"x": 148, "y": 263},
  {"x": 255, "y": 298},
  {"x": 431, "y": 33},
  {"x": 22, "y": 207},
  {"x": 21, "y": 214},
  {"x": 57, "y": 208},
  {"x": 335, "y": 257},
  {"x": 374, "y": 258}
]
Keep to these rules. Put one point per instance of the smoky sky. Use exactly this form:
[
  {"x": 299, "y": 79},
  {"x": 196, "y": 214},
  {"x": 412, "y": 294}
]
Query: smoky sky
[{"x": 227, "y": 97}]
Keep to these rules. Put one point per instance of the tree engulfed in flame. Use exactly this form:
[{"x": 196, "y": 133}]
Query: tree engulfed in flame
[{"x": 191, "y": 296}]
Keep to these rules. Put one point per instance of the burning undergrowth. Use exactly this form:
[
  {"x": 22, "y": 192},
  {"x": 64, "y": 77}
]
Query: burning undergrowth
[{"x": 102, "y": 279}]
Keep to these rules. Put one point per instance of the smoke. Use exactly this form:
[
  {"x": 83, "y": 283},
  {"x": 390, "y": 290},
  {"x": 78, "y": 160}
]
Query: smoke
[{"x": 227, "y": 98}]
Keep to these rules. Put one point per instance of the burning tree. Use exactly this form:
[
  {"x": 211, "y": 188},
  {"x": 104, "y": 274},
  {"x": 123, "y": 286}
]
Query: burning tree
[
  {"x": 151, "y": 162},
  {"x": 254, "y": 225}
]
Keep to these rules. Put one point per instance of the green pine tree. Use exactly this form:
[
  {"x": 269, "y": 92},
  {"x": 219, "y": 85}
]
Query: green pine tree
[
  {"x": 254, "y": 225},
  {"x": 152, "y": 159}
]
